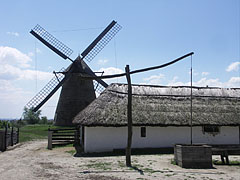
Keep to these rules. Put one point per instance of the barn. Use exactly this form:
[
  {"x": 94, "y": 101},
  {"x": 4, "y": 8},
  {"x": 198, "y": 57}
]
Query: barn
[{"x": 161, "y": 117}]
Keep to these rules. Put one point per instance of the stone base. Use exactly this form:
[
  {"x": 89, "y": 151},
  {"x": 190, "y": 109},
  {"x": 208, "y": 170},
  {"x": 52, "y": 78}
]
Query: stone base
[{"x": 193, "y": 156}]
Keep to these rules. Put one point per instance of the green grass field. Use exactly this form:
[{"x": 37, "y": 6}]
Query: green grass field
[
  {"x": 37, "y": 131},
  {"x": 31, "y": 132}
]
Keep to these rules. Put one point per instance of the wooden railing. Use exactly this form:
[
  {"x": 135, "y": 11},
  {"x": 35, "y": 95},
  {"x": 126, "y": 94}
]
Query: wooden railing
[
  {"x": 8, "y": 137},
  {"x": 58, "y": 137}
]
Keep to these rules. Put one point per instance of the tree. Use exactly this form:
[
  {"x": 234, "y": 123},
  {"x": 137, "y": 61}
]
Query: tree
[
  {"x": 43, "y": 120},
  {"x": 30, "y": 116}
]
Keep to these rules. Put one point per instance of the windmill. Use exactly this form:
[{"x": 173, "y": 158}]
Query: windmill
[{"x": 76, "y": 93}]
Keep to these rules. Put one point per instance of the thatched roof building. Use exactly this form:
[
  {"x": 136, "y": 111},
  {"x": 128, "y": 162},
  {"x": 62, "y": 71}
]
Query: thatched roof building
[{"x": 163, "y": 106}]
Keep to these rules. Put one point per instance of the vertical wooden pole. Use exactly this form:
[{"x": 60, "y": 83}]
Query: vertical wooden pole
[
  {"x": 50, "y": 133},
  {"x": 5, "y": 138},
  {"x": 17, "y": 135},
  {"x": 129, "y": 117},
  {"x": 191, "y": 104},
  {"x": 12, "y": 137},
  {"x": 239, "y": 133}
]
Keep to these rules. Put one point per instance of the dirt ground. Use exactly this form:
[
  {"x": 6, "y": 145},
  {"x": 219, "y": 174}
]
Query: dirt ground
[{"x": 32, "y": 161}]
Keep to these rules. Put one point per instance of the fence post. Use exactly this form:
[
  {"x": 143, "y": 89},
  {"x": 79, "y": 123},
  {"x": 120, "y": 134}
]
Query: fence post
[
  {"x": 12, "y": 137},
  {"x": 2, "y": 139},
  {"x": 17, "y": 135},
  {"x": 5, "y": 139},
  {"x": 50, "y": 133}
]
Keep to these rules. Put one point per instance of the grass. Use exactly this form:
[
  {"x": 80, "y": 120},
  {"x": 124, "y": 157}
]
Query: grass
[
  {"x": 100, "y": 165},
  {"x": 121, "y": 164},
  {"x": 173, "y": 162},
  {"x": 36, "y": 131},
  {"x": 231, "y": 163},
  {"x": 32, "y": 132},
  {"x": 72, "y": 152},
  {"x": 149, "y": 170}
]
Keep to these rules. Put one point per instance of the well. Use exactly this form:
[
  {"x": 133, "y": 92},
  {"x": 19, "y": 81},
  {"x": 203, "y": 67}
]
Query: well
[{"x": 193, "y": 156}]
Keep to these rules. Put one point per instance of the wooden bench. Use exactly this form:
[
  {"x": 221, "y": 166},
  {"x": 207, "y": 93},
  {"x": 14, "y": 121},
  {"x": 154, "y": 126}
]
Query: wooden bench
[{"x": 224, "y": 150}]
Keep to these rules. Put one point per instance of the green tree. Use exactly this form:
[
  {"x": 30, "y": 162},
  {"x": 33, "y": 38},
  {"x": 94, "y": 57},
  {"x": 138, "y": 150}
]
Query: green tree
[
  {"x": 43, "y": 120},
  {"x": 30, "y": 116}
]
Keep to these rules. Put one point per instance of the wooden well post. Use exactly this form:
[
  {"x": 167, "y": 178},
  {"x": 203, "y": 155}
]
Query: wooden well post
[{"x": 129, "y": 117}]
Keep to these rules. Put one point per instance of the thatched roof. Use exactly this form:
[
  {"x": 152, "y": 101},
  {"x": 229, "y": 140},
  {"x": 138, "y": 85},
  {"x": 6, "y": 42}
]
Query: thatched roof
[{"x": 163, "y": 106}]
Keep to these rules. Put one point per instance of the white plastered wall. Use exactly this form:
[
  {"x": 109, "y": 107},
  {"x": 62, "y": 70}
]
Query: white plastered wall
[{"x": 102, "y": 139}]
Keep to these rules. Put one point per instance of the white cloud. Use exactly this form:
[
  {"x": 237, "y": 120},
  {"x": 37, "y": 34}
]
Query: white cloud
[
  {"x": 102, "y": 61},
  {"x": 14, "y": 57},
  {"x": 194, "y": 72},
  {"x": 10, "y": 93},
  {"x": 111, "y": 71},
  {"x": 12, "y": 99},
  {"x": 233, "y": 67},
  {"x": 155, "y": 79},
  {"x": 205, "y": 73},
  {"x": 32, "y": 74},
  {"x": 13, "y": 34},
  {"x": 30, "y": 54},
  {"x": 208, "y": 82},
  {"x": 233, "y": 82},
  {"x": 9, "y": 72},
  {"x": 13, "y": 64}
]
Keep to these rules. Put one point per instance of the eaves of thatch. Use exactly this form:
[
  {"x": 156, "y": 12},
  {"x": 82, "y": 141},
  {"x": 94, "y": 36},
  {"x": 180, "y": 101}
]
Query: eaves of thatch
[{"x": 163, "y": 106}]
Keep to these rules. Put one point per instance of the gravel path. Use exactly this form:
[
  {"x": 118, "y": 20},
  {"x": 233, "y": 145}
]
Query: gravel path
[{"x": 32, "y": 161}]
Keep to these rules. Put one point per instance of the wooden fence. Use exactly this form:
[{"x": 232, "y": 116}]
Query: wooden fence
[
  {"x": 8, "y": 137},
  {"x": 58, "y": 137}
]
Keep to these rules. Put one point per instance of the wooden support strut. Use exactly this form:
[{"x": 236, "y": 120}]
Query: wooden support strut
[
  {"x": 129, "y": 117},
  {"x": 135, "y": 71}
]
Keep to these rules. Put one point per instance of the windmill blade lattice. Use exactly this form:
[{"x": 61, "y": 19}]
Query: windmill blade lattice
[
  {"x": 98, "y": 87},
  {"x": 48, "y": 88},
  {"x": 51, "y": 42},
  {"x": 101, "y": 41},
  {"x": 62, "y": 50}
]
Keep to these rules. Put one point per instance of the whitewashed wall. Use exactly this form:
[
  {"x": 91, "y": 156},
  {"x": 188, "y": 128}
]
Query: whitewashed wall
[{"x": 101, "y": 139}]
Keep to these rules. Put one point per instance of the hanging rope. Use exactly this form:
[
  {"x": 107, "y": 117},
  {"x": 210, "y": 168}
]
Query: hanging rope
[
  {"x": 115, "y": 55},
  {"x": 35, "y": 55},
  {"x": 80, "y": 29}
]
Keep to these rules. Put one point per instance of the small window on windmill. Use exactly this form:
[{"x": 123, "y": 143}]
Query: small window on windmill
[
  {"x": 211, "y": 130},
  {"x": 143, "y": 131}
]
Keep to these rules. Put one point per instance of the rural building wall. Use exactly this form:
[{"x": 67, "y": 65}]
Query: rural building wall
[{"x": 102, "y": 139}]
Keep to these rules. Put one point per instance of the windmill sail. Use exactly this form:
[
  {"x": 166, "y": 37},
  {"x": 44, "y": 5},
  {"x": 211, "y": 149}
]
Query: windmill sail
[
  {"x": 101, "y": 41},
  {"x": 49, "y": 89},
  {"x": 76, "y": 93},
  {"x": 50, "y": 41}
]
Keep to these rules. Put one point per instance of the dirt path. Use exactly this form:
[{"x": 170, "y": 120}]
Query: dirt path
[{"x": 32, "y": 160}]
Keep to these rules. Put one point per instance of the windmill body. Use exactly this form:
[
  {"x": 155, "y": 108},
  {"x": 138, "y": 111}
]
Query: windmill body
[{"x": 76, "y": 92}]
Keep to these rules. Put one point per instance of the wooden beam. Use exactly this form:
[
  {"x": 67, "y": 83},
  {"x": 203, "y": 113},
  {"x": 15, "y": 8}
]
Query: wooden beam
[
  {"x": 136, "y": 71},
  {"x": 129, "y": 117}
]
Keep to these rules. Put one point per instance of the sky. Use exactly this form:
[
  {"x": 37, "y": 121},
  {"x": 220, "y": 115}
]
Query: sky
[{"x": 153, "y": 32}]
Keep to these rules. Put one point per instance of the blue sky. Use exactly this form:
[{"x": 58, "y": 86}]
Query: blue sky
[{"x": 153, "y": 32}]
